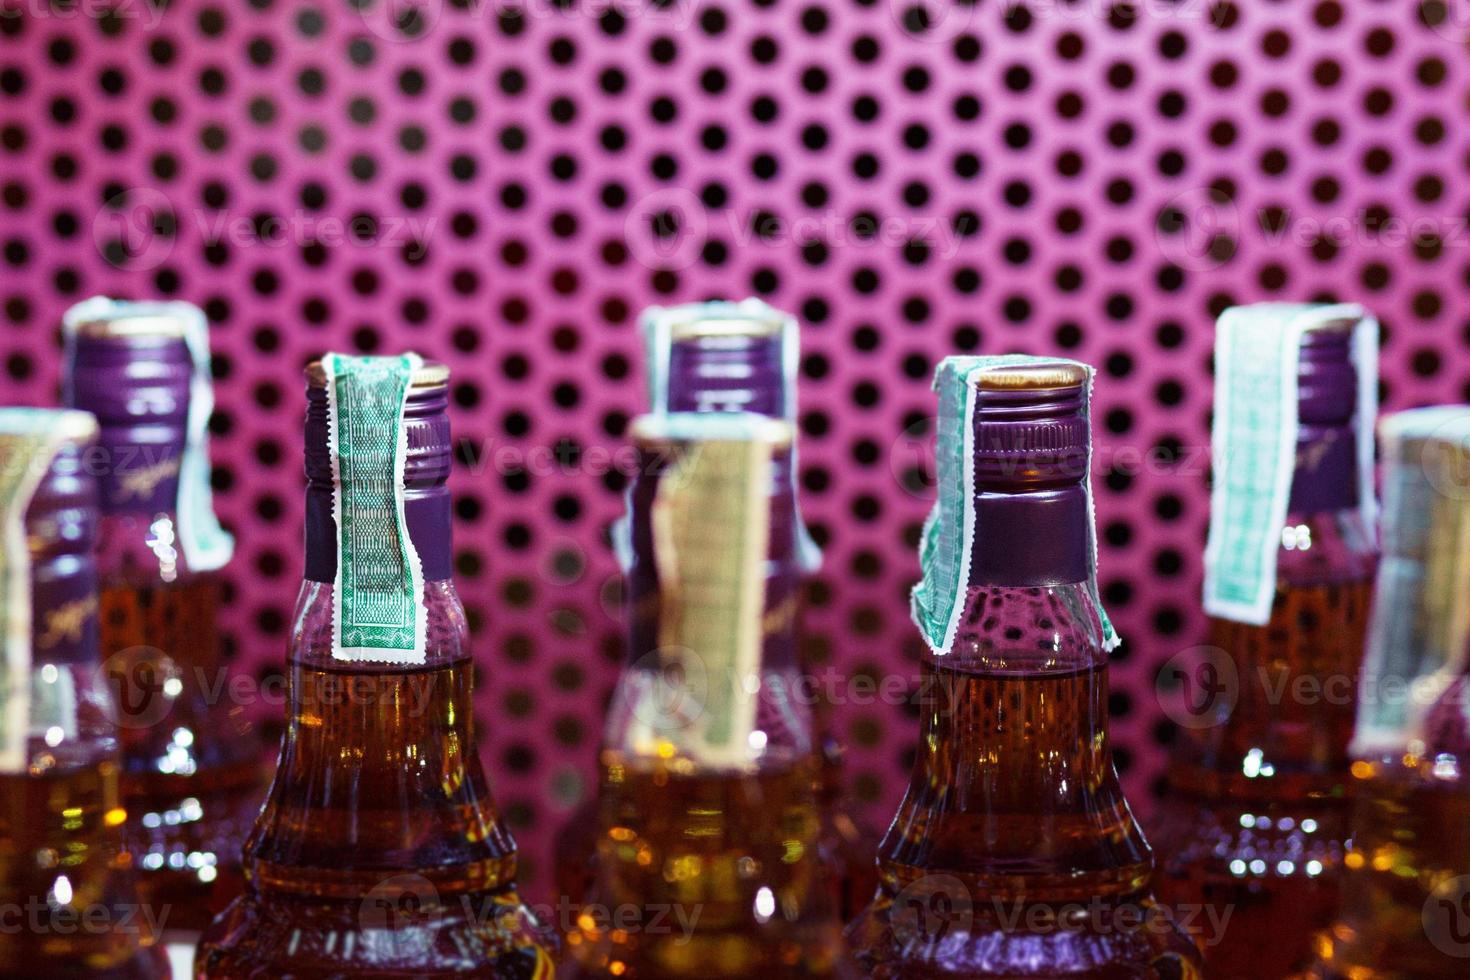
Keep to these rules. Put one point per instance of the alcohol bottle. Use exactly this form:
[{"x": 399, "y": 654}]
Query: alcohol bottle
[
  {"x": 738, "y": 357},
  {"x": 67, "y": 885},
  {"x": 1405, "y": 910},
  {"x": 1013, "y": 853},
  {"x": 1256, "y": 822},
  {"x": 707, "y": 860},
  {"x": 379, "y": 851},
  {"x": 193, "y": 769}
]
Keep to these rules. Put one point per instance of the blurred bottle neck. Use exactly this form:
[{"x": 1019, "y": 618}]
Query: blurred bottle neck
[
  {"x": 61, "y": 528},
  {"x": 728, "y": 373},
  {"x": 139, "y": 389},
  {"x": 781, "y": 570},
  {"x": 1326, "y": 475}
]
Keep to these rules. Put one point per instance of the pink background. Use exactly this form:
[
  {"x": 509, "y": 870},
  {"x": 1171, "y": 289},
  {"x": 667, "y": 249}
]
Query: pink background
[{"x": 1125, "y": 171}]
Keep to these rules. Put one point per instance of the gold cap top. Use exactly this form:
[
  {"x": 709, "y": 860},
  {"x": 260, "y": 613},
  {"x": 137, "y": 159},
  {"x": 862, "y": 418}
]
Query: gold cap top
[
  {"x": 724, "y": 325},
  {"x": 430, "y": 374},
  {"x": 652, "y": 431},
  {"x": 1345, "y": 325},
  {"x": 160, "y": 325},
  {"x": 1043, "y": 374}
]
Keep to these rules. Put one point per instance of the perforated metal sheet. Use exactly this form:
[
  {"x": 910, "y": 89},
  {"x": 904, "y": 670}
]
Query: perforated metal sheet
[{"x": 502, "y": 184}]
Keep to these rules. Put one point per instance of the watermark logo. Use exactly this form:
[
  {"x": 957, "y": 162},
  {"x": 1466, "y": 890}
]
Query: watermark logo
[
  {"x": 930, "y": 908},
  {"x": 58, "y": 913},
  {"x": 145, "y": 682},
  {"x": 1198, "y": 230},
  {"x": 1450, "y": 19},
  {"x": 1446, "y": 460},
  {"x": 135, "y": 229},
  {"x": 935, "y": 21},
  {"x": 1446, "y": 917},
  {"x": 667, "y": 229},
  {"x": 394, "y": 909},
  {"x": 400, "y": 20},
  {"x": 149, "y": 12},
  {"x": 1198, "y": 687},
  {"x": 912, "y": 461},
  {"x": 667, "y": 689}
]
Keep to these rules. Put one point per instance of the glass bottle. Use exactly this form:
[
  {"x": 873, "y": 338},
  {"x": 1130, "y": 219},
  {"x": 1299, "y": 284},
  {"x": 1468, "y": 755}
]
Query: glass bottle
[
  {"x": 1256, "y": 822},
  {"x": 379, "y": 851},
  {"x": 1405, "y": 907},
  {"x": 67, "y": 885},
  {"x": 739, "y": 357},
  {"x": 1014, "y": 853},
  {"x": 707, "y": 857},
  {"x": 193, "y": 766}
]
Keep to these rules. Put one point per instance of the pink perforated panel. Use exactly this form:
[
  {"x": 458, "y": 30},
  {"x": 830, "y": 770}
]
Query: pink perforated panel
[{"x": 502, "y": 184}]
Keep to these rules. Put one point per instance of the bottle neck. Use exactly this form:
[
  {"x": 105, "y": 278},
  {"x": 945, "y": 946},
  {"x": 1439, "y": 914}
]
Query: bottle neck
[
  {"x": 727, "y": 373},
  {"x": 1014, "y": 748},
  {"x": 427, "y": 506},
  {"x": 139, "y": 388},
  {"x": 1326, "y": 474},
  {"x": 1033, "y": 525},
  {"x": 781, "y": 570},
  {"x": 61, "y": 526},
  {"x": 1036, "y": 538}
]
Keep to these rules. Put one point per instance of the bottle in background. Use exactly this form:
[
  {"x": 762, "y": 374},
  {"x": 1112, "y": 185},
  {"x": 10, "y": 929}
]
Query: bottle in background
[
  {"x": 379, "y": 851},
  {"x": 66, "y": 881},
  {"x": 1405, "y": 912},
  {"x": 1256, "y": 822},
  {"x": 725, "y": 357},
  {"x": 1013, "y": 853},
  {"x": 707, "y": 861},
  {"x": 193, "y": 767}
]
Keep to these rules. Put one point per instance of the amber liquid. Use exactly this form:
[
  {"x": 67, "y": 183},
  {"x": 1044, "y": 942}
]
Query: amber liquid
[
  {"x": 844, "y": 847},
  {"x": 1259, "y": 824},
  {"x": 707, "y": 876},
  {"x": 192, "y": 775},
  {"x": 379, "y": 851},
  {"x": 1409, "y": 840},
  {"x": 67, "y": 902},
  {"x": 1014, "y": 853}
]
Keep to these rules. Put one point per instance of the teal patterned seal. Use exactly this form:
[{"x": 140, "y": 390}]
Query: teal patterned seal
[{"x": 378, "y": 598}]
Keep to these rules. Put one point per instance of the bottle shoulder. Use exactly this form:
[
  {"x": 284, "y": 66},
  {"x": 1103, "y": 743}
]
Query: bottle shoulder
[
  {"x": 1021, "y": 629},
  {"x": 447, "y": 639}
]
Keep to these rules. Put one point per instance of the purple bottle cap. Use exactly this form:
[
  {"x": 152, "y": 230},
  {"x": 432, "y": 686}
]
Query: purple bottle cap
[
  {"x": 1327, "y": 396},
  {"x": 61, "y": 531},
  {"x": 1031, "y": 427},
  {"x": 1032, "y": 435},
  {"x": 727, "y": 364},
  {"x": 134, "y": 373},
  {"x": 427, "y": 504}
]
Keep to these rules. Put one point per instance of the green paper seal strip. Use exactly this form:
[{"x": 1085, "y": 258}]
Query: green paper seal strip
[
  {"x": 1253, "y": 445},
  {"x": 29, "y": 440},
  {"x": 710, "y": 523},
  {"x": 1421, "y": 607},
  {"x": 378, "y": 598},
  {"x": 947, "y": 545},
  {"x": 656, "y": 324},
  {"x": 206, "y": 545}
]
